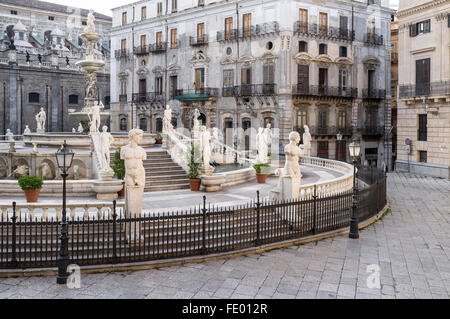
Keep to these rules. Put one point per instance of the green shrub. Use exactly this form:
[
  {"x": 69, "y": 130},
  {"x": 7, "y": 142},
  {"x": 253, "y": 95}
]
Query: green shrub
[
  {"x": 194, "y": 161},
  {"x": 118, "y": 165},
  {"x": 30, "y": 183},
  {"x": 158, "y": 135},
  {"x": 262, "y": 168}
]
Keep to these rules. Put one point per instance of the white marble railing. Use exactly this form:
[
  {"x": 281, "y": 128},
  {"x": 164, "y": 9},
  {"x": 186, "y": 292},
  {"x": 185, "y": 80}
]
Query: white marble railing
[
  {"x": 53, "y": 212},
  {"x": 329, "y": 187}
]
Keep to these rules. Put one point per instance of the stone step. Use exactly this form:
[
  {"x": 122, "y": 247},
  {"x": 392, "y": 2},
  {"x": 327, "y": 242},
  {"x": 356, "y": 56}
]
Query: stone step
[
  {"x": 182, "y": 180},
  {"x": 149, "y": 173},
  {"x": 161, "y": 177},
  {"x": 161, "y": 166},
  {"x": 166, "y": 187}
]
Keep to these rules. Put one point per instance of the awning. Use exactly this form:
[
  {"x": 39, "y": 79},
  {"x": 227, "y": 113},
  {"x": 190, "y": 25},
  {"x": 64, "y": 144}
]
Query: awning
[
  {"x": 37, "y": 39},
  {"x": 193, "y": 97},
  {"x": 75, "y": 45},
  {"x": 104, "y": 46}
]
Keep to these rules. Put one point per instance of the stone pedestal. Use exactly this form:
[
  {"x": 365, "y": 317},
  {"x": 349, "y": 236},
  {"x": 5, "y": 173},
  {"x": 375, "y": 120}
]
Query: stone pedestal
[
  {"x": 40, "y": 131},
  {"x": 133, "y": 208},
  {"x": 164, "y": 144},
  {"x": 212, "y": 183},
  {"x": 12, "y": 147},
  {"x": 207, "y": 170},
  {"x": 288, "y": 190},
  {"x": 107, "y": 175},
  {"x": 107, "y": 190}
]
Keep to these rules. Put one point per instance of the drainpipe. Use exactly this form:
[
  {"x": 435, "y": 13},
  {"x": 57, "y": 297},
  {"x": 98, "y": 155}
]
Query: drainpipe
[
  {"x": 4, "y": 108},
  {"x": 237, "y": 66}
]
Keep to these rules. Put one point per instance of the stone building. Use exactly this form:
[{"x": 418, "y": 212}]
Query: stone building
[
  {"x": 244, "y": 64},
  {"x": 423, "y": 74},
  {"x": 394, "y": 87},
  {"x": 39, "y": 46}
]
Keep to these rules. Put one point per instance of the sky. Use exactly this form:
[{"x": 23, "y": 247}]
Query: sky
[{"x": 105, "y": 6}]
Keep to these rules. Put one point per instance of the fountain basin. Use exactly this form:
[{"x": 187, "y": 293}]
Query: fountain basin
[{"x": 90, "y": 65}]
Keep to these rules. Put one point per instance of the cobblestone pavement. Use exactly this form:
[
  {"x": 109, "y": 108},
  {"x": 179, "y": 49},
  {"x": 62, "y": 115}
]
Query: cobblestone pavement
[{"x": 411, "y": 245}]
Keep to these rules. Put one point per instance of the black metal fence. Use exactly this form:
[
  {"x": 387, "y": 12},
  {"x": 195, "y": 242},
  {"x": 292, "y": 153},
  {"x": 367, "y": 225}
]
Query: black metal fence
[{"x": 204, "y": 230}]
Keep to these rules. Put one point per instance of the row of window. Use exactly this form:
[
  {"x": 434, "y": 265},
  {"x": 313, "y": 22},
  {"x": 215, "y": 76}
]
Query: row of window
[
  {"x": 35, "y": 98},
  {"x": 323, "y": 48},
  {"x": 50, "y": 18}
]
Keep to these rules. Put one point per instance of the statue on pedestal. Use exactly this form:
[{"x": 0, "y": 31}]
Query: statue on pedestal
[
  {"x": 95, "y": 121},
  {"x": 80, "y": 128},
  {"x": 306, "y": 142},
  {"x": 205, "y": 146},
  {"x": 90, "y": 24},
  {"x": 133, "y": 155},
  {"x": 41, "y": 117},
  {"x": 196, "y": 128},
  {"x": 106, "y": 140},
  {"x": 9, "y": 135},
  {"x": 263, "y": 146},
  {"x": 167, "y": 121}
]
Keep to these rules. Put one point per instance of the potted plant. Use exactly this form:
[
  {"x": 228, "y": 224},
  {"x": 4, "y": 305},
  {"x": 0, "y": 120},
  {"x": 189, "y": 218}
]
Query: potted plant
[
  {"x": 31, "y": 185},
  {"x": 194, "y": 162},
  {"x": 262, "y": 171},
  {"x": 158, "y": 138},
  {"x": 119, "y": 170}
]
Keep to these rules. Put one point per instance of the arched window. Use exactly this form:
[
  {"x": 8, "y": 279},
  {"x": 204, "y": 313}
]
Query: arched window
[
  {"x": 73, "y": 99},
  {"x": 159, "y": 125},
  {"x": 34, "y": 97},
  {"x": 323, "y": 48},
  {"x": 143, "y": 124},
  {"x": 123, "y": 124},
  {"x": 302, "y": 46}
]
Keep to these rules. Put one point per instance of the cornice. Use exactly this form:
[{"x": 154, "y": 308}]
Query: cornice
[{"x": 411, "y": 11}]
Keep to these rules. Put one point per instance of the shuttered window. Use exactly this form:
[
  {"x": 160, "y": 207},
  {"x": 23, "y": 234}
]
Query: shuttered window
[
  {"x": 423, "y": 77},
  {"x": 422, "y": 133},
  {"x": 418, "y": 28},
  {"x": 268, "y": 72},
  {"x": 303, "y": 79}
]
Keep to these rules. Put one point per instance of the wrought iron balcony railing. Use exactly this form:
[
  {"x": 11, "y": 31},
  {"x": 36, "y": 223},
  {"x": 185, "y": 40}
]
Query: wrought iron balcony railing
[
  {"x": 139, "y": 97},
  {"x": 250, "y": 90},
  {"x": 196, "y": 41},
  {"x": 158, "y": 47},
  {"x": 373, "y": 39},
  {"x": 324, "y": 91},
  {"x": 121, "y": 54},
  {"x": 154, "y": 97},
  {"x": 313, "y": 29},
  {"x": 249, "y": 32},
  {"x": 424, "y": 89},
  {"x": 123, "y": 98},
  {"x": 369, "y": 130},
  {"x": 374, "y": 94},
  {"x": 141, "y": 50}
]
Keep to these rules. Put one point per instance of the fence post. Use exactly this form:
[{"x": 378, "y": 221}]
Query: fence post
[
  {"x": 258, "y": 205},
  {"x": 13, "y": 261},
  {"x": 315, "y": 210},
  {"x": 204, "y": 210},
  {"x": 114, "y": 216}
]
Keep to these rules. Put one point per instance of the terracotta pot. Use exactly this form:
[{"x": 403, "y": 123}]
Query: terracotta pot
[
  {"x": 32, "y": 195},
  {"x": 159, "y": 141},
  {"x": 121, "y": 193},
  {"x": 261, "y": 178},
  {"x": 195, "y": 184}
]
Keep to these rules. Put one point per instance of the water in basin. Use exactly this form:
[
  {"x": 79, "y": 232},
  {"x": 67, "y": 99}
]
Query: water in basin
[{"x": 230, "y": 167}]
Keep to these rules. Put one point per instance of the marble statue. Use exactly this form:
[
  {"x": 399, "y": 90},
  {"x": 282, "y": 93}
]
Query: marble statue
[
  {"x": 263, "y": 146},
  {"x": 35, "y": 147},
  {"x": 74, "y": 130},
  {"x": 80, "y": 128},
  {"x": 20, "y": 171},
  {"x": 106, "y": 139},
  {"x": 41, "y": 117},
  {"x": 306, "y": 142},
  {"x": 205, "y": 146},
  {"x": 91, "y": 87},
  {"x": 26, "y": 130},
  {"x": 76, "y": 172},
  {"x": 196, "y": 128},
  {"x": 46, "y": 171},
  {"x": 95, "y": 120},
  {"x": 133, "y": 155},
  {"x": 9, "y": 135},
  {"x": 167, "y": 121},
  {"x": 90, "y": 25}
]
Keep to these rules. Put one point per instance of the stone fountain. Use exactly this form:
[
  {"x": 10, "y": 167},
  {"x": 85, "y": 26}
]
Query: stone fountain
[{"x": 92, "y": 111}]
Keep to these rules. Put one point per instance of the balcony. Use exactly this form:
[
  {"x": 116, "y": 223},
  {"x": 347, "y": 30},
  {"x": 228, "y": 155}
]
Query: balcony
[
  {"x": 324, "y": 91},
  {"x": 198, "y": 41},
  {"x": 424, "y": 90},
  {"x": 139, "y": 98},
  {"x": 123, "y": 98},
  {"x": 121, "y": 54},
  {"x": 251, "y": 32},
  {"x": 156, "y": 48},
  {"x": 202, "y": 94},
  {"x": 248, "y": 90},
  {"x": 374, "y": 94},
  {"x": 371, "y": 38},
  {"x": 315, "y": 30},
  {"x": 140, "y": 50},
  {"x": 154, "y": 97},
  {"x": 372, "y": 131}
]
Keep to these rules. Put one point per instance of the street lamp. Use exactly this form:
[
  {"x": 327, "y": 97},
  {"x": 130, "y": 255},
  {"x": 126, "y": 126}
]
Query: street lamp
[
  {"x": 355, "y": 150},
  {"x": 64, "y": 158},
  {"x": 339, "y": 139}
]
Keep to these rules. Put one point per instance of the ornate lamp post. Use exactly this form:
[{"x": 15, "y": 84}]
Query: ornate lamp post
[
  {"x": 355, "y": 151},
  {"x": 64, "y": 158},
  {"x": 339, "y": 139}
]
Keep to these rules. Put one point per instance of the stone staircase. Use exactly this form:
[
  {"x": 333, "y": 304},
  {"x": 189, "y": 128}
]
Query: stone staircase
[{"x": 162, "y": 173}]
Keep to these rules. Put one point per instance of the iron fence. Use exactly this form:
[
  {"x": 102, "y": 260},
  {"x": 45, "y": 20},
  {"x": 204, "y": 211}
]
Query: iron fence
[
  {"x": 314, "y": 29},
  {"x": 113, "y": 238}
]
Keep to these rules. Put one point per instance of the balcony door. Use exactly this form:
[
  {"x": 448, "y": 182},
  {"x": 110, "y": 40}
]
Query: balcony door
[
  {"x": 423, "y": 77},
  {"x": 228, "y": 28},
  {"x": 303, "y": 79},
  {"x": 269, "y": 79},
  {"x": 322, "y": 122},
  {"x": 322, "y": 149},
  {"x": 142, "y": 89},
  {"x": 343, "y": 26},
  {"x": 143, "y": 40},
  {"x": 323, "y": 23},
  {"x": 158, "y": 39},
  {"x": 173, "y": 86},
  {"x": 200, "y": 32},
  {"x": 123, "y": 46},
  {"x": 323, "y": 81},
  {"x": 246, "y": 81},
  {"x": 371, "y": 82},
  {"x": 303, "y": 21},
  {"x": 199, "y": 79},
  {"x": 247, "y": 18}
]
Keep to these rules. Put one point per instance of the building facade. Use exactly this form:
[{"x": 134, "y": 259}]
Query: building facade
[
  {"x": 39, "y": 46},
  {"x": 394, "y": 88},
  {"x": 424, "y": 101},
  {"x": 244, "y": 64}
]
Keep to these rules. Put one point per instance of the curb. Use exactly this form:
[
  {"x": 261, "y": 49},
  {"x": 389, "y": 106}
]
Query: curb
[{"x": 40, "y": 272}]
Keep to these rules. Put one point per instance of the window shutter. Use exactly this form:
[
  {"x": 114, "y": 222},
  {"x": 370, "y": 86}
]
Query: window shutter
[
  {"x": 413, "y": 30},
  {"x": 427, "y": 26}
]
